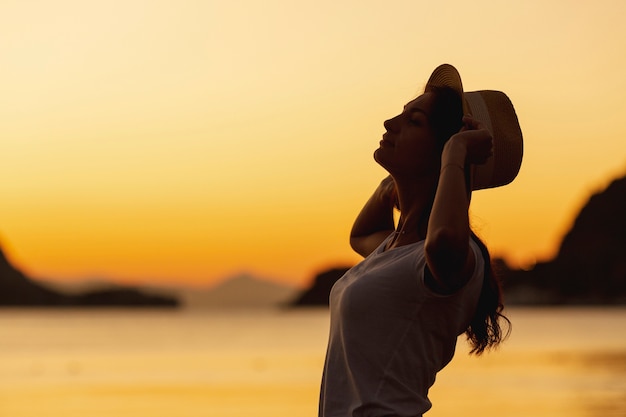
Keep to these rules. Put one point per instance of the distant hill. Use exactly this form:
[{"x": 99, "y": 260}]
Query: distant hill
[
  {"x": 243, "y": 291},
  {"x": 318, "y": 293},
  {"x": 18, "y": 290},
  {"x": 590, "y": 267}
]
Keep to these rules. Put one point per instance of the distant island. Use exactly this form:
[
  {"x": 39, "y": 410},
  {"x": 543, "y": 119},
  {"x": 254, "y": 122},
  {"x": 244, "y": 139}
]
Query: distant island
[
  {"x": 17, "y": 290},
  {"x": 590, "y": 268}
]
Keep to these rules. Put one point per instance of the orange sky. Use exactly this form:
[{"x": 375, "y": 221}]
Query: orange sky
[{"x": 186, "y": 141}]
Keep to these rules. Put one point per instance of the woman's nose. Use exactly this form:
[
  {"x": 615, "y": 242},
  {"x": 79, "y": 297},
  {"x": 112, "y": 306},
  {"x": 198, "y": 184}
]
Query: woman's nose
[{"x": 388, "y": 124}]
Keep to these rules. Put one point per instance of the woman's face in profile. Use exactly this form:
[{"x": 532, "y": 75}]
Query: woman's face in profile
[{"x": 408, "y": 147}]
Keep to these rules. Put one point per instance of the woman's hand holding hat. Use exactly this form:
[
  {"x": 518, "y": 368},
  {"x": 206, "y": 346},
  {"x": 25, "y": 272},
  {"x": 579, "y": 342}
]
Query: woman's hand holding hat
[
  {"x": 474, "y": 139},
  {"x": 471, "y": 146}
]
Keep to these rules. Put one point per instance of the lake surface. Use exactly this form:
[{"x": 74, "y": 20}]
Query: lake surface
[{"x": 558, "y": 362}]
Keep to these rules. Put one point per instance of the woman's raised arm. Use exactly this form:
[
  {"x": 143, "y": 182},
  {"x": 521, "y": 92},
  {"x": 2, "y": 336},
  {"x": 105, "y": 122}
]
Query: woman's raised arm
[{"x": 447, "y": 250}]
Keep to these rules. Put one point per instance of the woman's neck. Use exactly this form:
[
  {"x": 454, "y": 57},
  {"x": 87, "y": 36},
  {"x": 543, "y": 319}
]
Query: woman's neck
[{"x": 415, "y": 199}]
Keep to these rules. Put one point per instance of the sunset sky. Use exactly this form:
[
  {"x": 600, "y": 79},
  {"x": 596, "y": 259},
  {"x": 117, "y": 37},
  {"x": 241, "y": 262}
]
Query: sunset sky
[{"x": 146, "y": 141}]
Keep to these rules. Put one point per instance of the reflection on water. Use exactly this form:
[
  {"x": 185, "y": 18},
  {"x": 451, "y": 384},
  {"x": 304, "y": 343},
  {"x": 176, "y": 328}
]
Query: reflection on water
[
  {"x": 557, "y": 363},
  {"x": 582, "y": 383}
]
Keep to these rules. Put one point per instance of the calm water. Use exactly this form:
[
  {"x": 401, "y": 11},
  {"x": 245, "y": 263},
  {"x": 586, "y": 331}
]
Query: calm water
[{"x": 558, "y": 363}]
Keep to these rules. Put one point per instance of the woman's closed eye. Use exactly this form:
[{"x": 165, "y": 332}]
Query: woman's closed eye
[{"x": 417, "y": 118}]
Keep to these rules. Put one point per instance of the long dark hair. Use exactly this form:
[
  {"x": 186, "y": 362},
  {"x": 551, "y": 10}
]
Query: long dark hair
[{"x": 485, "y": 330}]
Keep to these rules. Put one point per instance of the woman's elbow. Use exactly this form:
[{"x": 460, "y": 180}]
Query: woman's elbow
[
  {"x": 357, "y": 244},
  {"x": 365, "y": 245}
]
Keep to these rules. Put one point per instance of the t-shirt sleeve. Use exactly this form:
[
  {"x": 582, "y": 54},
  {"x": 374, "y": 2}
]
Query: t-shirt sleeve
[{"x": 477, "y": 274}]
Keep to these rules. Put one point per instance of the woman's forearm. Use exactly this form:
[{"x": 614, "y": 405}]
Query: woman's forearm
[{"x": 447, "y": 239}]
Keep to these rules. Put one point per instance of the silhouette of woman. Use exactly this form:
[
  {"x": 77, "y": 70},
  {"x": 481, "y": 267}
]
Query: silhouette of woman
[{"x": 396, "y": 316}]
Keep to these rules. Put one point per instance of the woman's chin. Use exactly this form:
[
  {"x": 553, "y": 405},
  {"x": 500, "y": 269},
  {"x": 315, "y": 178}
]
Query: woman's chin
[
  {"x": 380, "y": 160},
  {"x": 377, "y": 155}
]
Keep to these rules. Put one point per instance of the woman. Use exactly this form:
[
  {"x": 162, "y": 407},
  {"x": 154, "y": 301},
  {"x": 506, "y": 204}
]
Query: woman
[{"x": 395, "y": 316}]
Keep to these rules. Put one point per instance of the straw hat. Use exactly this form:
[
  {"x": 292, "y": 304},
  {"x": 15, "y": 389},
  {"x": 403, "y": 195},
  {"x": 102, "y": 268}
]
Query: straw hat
[{"x": 496, "y": 112}]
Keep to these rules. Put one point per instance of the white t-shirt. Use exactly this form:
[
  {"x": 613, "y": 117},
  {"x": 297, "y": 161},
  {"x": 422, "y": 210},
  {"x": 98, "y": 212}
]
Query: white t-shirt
[{"x": 390, "y": 334}]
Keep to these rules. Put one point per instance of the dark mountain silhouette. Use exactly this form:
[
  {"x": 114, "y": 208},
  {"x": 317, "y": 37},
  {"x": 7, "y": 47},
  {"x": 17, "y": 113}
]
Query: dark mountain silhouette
[
  {"x": 17, "y": 290},
  {"x": 590, "y": 267}
]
